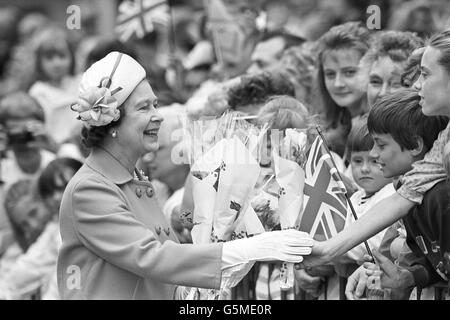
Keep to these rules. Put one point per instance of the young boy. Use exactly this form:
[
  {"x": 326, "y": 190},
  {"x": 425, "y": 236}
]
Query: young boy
[
  {"x": 373, "y": 187},
  {"x": 402, "y": 135}
]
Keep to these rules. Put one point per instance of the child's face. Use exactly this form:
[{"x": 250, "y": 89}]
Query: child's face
[
  {"x": 390, "y": 157},
  {"x": 345, "y": 81},
  {"x": 366, "y": 172},
  {"x": 56, "y": 64}
]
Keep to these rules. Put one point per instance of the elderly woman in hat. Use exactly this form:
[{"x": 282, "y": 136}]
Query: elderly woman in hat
[{"x": 116, "y": 242}]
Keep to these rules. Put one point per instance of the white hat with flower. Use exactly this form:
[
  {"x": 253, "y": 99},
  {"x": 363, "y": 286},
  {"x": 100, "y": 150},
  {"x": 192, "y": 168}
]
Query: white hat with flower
[{"x": 105, "y": 86}]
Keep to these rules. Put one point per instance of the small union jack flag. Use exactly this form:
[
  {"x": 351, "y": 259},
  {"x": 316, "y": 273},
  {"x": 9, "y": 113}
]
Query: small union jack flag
[
  {"x": 138, "y": 17},
  {"x": 325, "y": 204}
]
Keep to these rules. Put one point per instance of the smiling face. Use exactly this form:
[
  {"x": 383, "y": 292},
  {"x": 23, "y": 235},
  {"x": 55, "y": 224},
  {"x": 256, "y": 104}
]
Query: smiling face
[
  {"x": 345, "y": 80},
  {"x": 393, "y": 161},
  {"x": 433, "y": 85},
  {"x": 138, "y": 130},
  {"x": 384, "y": 77},
  {"x": 366, "y": 172}
]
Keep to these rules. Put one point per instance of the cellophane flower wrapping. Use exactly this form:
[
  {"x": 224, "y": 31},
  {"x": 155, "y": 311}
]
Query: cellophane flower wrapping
[
  {"x": 289, "y": 161},
  {"x": 224, "y": 172}
]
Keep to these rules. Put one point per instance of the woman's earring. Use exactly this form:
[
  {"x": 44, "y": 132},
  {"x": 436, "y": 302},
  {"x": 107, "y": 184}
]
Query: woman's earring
[{"x": 114, "y": 133}]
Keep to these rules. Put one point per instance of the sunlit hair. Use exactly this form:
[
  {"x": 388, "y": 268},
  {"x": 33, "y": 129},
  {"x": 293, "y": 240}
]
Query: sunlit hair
[{"x": 347, "y": 36}]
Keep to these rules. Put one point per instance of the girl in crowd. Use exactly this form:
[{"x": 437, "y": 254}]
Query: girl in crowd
[
  {"x": 342, "y": 82},
  {"x": 56, "y": 86},
  {"x": 386, "y": 61}
]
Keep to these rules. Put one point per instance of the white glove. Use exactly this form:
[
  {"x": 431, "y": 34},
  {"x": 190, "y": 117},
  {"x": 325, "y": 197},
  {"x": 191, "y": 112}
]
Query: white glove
[{"x": 287, "y": 245}]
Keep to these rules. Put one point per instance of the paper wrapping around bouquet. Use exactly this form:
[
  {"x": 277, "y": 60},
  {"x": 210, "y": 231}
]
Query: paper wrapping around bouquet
[
  {"x": 238, "y": 176},
  {"x": 249, "y": 225},
  {"x": 290, "y": 176},
  {"x": 204, "y": 179}
]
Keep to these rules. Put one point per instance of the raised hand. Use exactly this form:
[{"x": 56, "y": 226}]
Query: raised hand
[
  {"x": 392, "y": 276},
  {"x": 356, "y": 284}
]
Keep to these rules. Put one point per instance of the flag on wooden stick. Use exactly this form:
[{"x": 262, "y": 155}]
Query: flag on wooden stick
[{"x": 325, "y": 205}]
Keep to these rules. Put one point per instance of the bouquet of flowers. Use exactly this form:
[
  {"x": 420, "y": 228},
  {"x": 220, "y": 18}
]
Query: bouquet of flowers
[
  {"x": 224, "y": 172},
  {"x": 289, "y": 161}
]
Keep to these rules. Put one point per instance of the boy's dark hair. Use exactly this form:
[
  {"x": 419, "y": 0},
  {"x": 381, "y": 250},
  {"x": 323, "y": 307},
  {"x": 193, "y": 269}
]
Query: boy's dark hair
[
  {"x": 400, "y": 115},
  {"x": 359, "y": 138},
  {"x": 47, "y": 181}
]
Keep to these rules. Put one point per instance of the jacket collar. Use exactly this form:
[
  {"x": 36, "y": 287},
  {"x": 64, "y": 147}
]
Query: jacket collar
[{"x": 101, "y": 161}]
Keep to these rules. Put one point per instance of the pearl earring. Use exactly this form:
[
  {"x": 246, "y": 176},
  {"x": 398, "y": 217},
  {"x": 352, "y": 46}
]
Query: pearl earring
[{"x": 114, "y": 133}]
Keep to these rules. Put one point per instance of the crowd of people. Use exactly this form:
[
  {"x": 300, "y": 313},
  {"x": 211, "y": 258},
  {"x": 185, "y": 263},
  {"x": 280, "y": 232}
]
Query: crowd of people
[{"x": 381, "y": 97}]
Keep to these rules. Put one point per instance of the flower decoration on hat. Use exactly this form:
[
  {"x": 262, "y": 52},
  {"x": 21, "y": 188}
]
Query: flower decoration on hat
[{"x": 97, "y": 106}]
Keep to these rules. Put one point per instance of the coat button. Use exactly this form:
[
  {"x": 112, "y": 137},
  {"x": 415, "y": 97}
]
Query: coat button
[
  {"x": 158, "y": 230},
  {"x": 167, "y": 231},
  {"x": 138, "y": 192},
  {"x": 149, "y": 191}
]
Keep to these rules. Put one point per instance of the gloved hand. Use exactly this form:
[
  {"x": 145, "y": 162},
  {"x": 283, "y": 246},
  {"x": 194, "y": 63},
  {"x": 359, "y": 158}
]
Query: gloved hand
[{"x": 286, "y": 245}]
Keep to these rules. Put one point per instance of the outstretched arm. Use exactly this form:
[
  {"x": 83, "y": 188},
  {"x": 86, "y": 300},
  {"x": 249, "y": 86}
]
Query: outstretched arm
[{"x": 380, "y": 216}]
